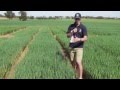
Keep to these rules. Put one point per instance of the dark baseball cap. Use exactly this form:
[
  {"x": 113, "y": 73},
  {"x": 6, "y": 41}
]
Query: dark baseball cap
[{"x": 77, "y": 16}]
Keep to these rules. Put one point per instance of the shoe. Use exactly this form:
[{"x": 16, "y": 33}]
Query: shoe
[{"x": 80, "y": 78}]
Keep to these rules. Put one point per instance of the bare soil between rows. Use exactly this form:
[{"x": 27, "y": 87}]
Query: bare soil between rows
[
  {"x": 11, "y": 73},
  {"x": 65, "y": 53},
  {"x": 10, "y": 34},
  {"x": 6, "y": 36}
]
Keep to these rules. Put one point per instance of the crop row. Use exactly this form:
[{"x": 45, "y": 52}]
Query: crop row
[
  {"x": 12, "y": 47},
  {"x": 44, "y": 60}
]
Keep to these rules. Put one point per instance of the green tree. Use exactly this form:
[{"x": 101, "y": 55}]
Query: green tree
[
  {"x": 23, "y": 15},
  {"x": 31, "y": 17},
  {"x": 9, "y": 14}
]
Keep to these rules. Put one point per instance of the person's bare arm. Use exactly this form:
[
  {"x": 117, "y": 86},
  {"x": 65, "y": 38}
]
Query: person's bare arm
[
  {"x": 71, "y": 33},
  {"x": 81, "y": 39}
]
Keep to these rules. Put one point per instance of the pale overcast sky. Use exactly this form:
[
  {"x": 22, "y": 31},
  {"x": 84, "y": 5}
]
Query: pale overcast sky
[{"x": 71, "y": 13}]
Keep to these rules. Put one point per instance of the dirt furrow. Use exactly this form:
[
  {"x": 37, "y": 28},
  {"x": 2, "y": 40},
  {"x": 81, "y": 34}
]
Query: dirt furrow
[
  {"x": 65, "y": 54},
  {"x": 11, "y": 74},
  {"x": 64, "y": 51},
  {"x": 9, "y": 35}
]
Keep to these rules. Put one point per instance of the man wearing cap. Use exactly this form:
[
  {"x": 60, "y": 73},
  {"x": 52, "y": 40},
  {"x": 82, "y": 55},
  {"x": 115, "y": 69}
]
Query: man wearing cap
[{"x": 77, "y": 33}]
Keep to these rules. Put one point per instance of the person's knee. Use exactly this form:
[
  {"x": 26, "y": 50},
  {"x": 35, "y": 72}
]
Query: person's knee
[
  {"x": 79, "y": 62},
  {"x": 72, "y": 59}
]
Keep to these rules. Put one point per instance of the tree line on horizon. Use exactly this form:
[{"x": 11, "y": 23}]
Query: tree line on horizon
[
  {"x": 23, "y": 16},
  {"x": 10, "y": 15}
]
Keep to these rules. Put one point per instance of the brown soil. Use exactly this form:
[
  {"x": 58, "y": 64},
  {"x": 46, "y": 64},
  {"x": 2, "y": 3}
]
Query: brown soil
[
  {"x": 6, "y": 36},
  {"x": 63, "y": 51},
  {"x": 65, "y": 54},
  {"x": 11, "y": 74},
  {"x": 10, "y": 35}
]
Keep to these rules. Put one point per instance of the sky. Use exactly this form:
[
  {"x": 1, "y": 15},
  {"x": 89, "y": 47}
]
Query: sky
[{"x": 71, "y": 13}]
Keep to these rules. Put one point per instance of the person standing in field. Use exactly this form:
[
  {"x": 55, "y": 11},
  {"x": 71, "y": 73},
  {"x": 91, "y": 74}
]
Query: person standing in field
[{"x": 77, "y": 33}]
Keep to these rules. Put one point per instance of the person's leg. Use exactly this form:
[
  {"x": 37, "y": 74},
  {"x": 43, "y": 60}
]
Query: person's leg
[
  {"x": 79, "y": 55},
  {"x": 80, "y": 70},
  {"x": 73, "y": 61},
  {"x": 72, "y": 55}
]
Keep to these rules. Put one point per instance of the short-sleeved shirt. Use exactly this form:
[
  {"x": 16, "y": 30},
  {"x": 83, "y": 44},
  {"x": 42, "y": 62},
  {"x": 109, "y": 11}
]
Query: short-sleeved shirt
[{"x": 81, "y": 32}]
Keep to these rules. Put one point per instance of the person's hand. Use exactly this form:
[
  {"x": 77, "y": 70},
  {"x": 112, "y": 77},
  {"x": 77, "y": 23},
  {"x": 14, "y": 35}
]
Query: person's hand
[
  {"x": 74, "y": 30},
  {"x": 77, "y": 39}
]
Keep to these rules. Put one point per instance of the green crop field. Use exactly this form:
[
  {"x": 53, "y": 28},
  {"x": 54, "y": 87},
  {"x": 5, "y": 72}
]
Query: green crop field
[{"x": 31, "y": 51}]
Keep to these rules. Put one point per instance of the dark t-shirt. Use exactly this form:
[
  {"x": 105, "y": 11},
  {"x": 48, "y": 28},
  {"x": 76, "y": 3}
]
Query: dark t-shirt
[{"x": 81, "y": 32}]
